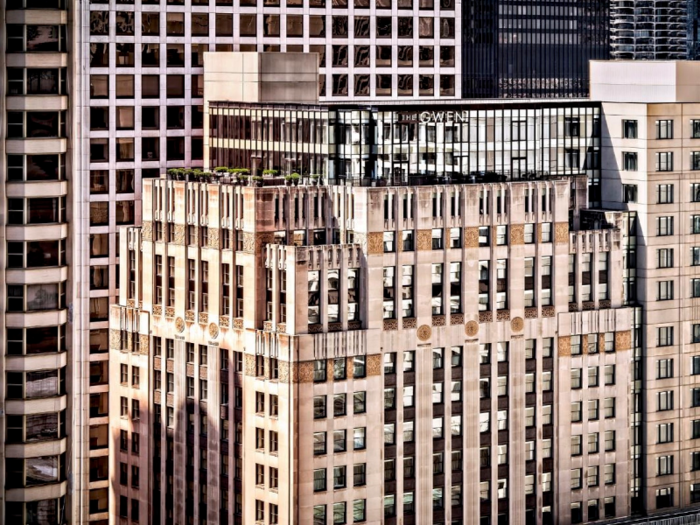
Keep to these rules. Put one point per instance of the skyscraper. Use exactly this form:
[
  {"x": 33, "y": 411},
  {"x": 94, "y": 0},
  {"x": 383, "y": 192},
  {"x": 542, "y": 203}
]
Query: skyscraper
[
  {"x": 514, "y": 49},
  {"x": 654, "y": 29}
]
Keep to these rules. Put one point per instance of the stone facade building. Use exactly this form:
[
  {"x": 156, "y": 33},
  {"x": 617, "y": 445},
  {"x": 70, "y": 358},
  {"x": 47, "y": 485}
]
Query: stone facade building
[{"x": 449, "y": 357}]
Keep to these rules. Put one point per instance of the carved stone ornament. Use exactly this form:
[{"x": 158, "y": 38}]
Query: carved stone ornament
[
  {"x": 375, "y": 243},
  {"x": 486, "y": 317},
  {"x": 143, "y": 344},
  {"x": 238, "y": 323},
  {"x": 517, "y": 234},
  {"x": 471, "y": 328},
  {"x": 409, "y": 322},
  {"x": 179, "y": 237},
  {"x": 306, "y": 372},
  {"x": 115, "y": 340},
  {"x": 623, "y": 341},
  {"x": 424, "y": 332},
  {"x": 224, "y": 321},
  {"x": 424, "y": 240},
  {"x": 564, "y": 346},
  {"x": 213, "y": 330},
  {"x": 283, "y": 368},
  {"x": 180, "y": 324},
  {"x": 517, "y": 324},
  {"x": 547, "y": 311},
  {"x": 157, "y": 309},
  {"x": 438, "y": 320},
  {"x": 391, "y": 324},
  {"x": 203, "y": 317},
  {"x": 471, "y": 237},
  {"x": 213, "y": 239},
  {"x": 456, "y": 318},
  {"x": 147, "y": 231},
  {"x": 561, "y": 233},
  {"x": 374, "y": 365}
]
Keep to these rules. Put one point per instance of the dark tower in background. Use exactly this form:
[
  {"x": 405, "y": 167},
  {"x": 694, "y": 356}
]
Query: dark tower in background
[{"x": 532, "y": 48}]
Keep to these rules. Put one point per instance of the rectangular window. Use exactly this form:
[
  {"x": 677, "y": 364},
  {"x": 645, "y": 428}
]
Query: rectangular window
[
  {"x": 664, "y": 336},
  {"x": 664, "y": 161},
  {"x": 664, "y": 290},
  {"x": 629, "y": 129},
  {"x": 664, "y": 226},
  {"x": 664, "y": 194},
  {"x": 664, "y": 258},
  {"x": 629, "y": 160},
  {"x": 664, "y": 129}
]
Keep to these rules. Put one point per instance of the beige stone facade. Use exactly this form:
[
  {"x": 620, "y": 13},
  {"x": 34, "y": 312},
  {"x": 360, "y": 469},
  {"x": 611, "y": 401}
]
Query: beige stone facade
[{"x": 336, "y": 354}]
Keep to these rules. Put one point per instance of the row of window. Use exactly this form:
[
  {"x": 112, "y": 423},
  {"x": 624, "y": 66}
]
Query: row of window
[
  {"x": 664, "y": 162},
  {"x": 339, "y": 510},
  {"x": 664, "y": 129},
  {"x": 125, "y": 25},
  {"x": 593, "y": 443},
  {"x": 150, "y": 118},
  {"x": 340, "y": 405},
  {"x": 358, "y": 4},
  {"x": 593, "y": 413},
  {"x": 340, "y": 444},
  {"x": 593, "y": 508},
  {"x": 593, "y": 376}
]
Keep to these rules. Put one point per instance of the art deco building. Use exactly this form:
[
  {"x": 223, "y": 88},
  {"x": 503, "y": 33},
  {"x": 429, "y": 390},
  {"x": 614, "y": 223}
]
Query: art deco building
[{"x": 357, "y": 351}]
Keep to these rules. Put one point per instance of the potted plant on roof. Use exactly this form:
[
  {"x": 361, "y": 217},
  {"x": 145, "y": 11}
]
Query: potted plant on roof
[
  {"x": 295, "y": 178},
  {"x": 257, "y": 181},
  {"x": 315, "y": 179},
  {"x": 270, "y": 173}
]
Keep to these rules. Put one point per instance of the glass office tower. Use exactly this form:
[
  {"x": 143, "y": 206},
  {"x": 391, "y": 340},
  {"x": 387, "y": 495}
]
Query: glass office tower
[{"x": 528, "y": 49}]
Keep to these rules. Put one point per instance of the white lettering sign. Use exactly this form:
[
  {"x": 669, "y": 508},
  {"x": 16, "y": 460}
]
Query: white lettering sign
[{"x": 444, "y": 116}]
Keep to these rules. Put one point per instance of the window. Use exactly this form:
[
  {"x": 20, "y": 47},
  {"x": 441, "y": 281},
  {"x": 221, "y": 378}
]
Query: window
[
  {"x": 664, "y": 498},
  {"x": 664, "y": 336},
  {"x": 664, "y": 161},
  {"x": 629, "y": 161},
  {"x": 664, "y": 465},
  {"x": 664, "y": 258},
  {"x": 389, "y": 242},
  {"x": 695, "y": 365},
  {"x": 593, "y": 409},
  {"x": 664, "y": 193},
  {"x": 664, "y": 226},
  {"x": 319, "y": 407},
  {"x": 437, "y": 239},
  {"x": 484, "y": 236},
  {"x": 664, "y": 290},
  {"x": 358, "y": 510},
  {"x": 609, "y": 407},
  {"x": 359, "y": 438},
  {"x": 319, "y": 371},
  {"x": 609, "y": 374},
  {"x": 629, "y": 193},
  {"x": 695, "y": 429},
  {"x": 576, "y": 445},
  {"x": 664, "y": 400},
  {"x": 529, "y": 233},
  {"x": 320, "y": 480},
  {"x": 664, "y": 129},
  {"x": 629, "y": 129},
  {"x": 576, "y": 478},
  {"x": 576, "y": 380},
  {"x": 592, "y": 474},
  {"x": 664, "y": 433},
  {"x": 319, "y": 443}
]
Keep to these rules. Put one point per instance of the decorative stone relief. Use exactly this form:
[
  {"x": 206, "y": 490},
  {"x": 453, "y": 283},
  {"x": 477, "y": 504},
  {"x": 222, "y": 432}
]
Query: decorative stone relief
[
  {"x": 282, "y": 327},
  {"x": 238, "y": 323},
  {"x": 267, "y": 326},
  {"x": 547, "y": 311},
  {"x": 502, "y": 315},
  {"x": 143, "y": 344},
  {"x": 248, "y": 242},
  {"x": 438, "y": 320},
  {"x": 424, "y": 240},
  {"x": 424, "y": 332},
  {"x": 179, "y": 324},
  {"x": 335, "y": 327},
  {"x": 315, "y": 328},
  {"x": 564, "y": 346},
  {"x": 224, "y": 321},
  {"x": 250, "y": 365},
  {"x": 283, "y": 369},
  {"x": 485, "y": 317},
  {"x": 623, "y": 341},
  {"x": 306, "y": 372},
  {"x": 329, "y": 369},
  {"x": 471, "y": 328},
  {"x": 179, "y": 237},
  {"x": 409, "y": 322},
  {"x": 213, "y": 238},
  {"x": 517, "y": 324},
  {"x": 604, "y": 304},
  {"x": 375, "y": 243},
  {"x": 531, "y": 312},
  {"x": 561, "y": 233},
  {"x": 169, "y": 312},
  {"x": 189, "y": 316},
  {"x": 213, "y": 330},
  {"x": 584, "y": 344},
  {"x": 374, "y": 365},
  {"x": 157, "y": 309},
  {"x": 517, "y": 234},
  {"x": 147, "y": 231},
  {"x": 588, "y": 305},
  {"x": 115, "y": 340},
  {"x": 130, "y": 303},
  {"x": 471, "y": 237},
  {"x": 354, "y": 325},
  {"x": 391, "y": 324},
  {"x": 573, "y": 307},
  {"x": 456, "y": 318}
]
